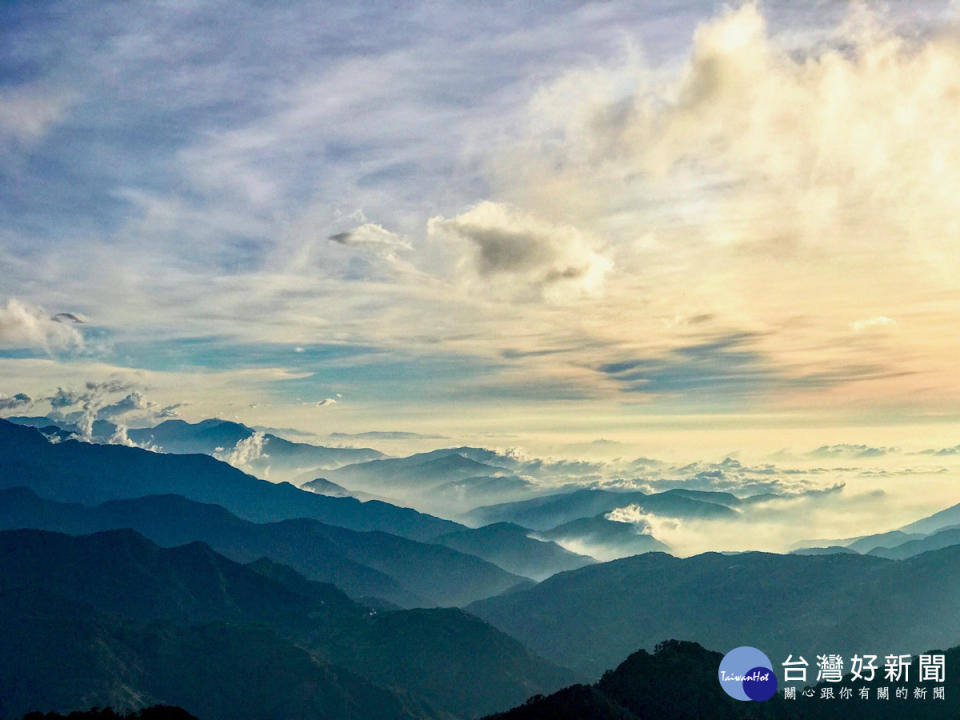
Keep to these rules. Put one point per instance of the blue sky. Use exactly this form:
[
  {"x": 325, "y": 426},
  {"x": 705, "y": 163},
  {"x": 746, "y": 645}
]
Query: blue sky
[{"x": 486, "y": 217}]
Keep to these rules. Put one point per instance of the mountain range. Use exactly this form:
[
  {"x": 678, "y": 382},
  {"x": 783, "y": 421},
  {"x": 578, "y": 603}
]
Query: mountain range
[
  {"x": 549, "y": 511},
  {"x": 454, "y": 479},
  {"x": 111, "y": 618},
  {"x": 72, "y": 471},
  {"x": 590, "y": 618},
  {"x": 511, "y": 547},
  {"x": 604, "y": 538},
  {"x": 215, "y": 437},
  {"x": 405, "y": 572}
]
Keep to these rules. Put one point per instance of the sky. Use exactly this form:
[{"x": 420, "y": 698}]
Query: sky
[{"x": 674, "y": 227}]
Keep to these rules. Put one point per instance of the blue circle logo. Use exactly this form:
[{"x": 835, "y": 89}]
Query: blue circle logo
[{"x": 747, "y": 674}]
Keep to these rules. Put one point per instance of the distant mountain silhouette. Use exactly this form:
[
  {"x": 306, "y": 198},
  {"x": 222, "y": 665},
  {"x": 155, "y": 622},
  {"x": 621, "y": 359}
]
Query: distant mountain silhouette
[
  {"x": 116, "y": 620},
  {"x": 449, "y": 480},
  {"x": 403, "y": 571},
  {"x": 416, "y": 473},
  {"x": 934, "y": 541},
  {"x": 888, "y": 539},
  {"x": 950, "y": 517},
  {"x": 612, "y": 537},
  {"x": 481, "y": 489},
  {"x": 589, "y": 618},
  {"x": 212, "y": 436},
  {"x": 322, "y": 486},
  {"x": 549, "y": 511},
  {"x": 828, "y": 550},
  {"x": 73, "y": 471},
  {"x": 279, "y": 454},
  {"x": 929, "y": 533},
  {"x": 511, "y": 547}
]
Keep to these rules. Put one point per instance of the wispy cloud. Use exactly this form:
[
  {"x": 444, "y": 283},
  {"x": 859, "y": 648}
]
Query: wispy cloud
[{"x": 683, "y": 202}]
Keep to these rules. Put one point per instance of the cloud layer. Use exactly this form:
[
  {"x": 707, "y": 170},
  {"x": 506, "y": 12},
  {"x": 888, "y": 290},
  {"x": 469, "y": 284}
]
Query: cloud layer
[{"x": 598, "y": 210}]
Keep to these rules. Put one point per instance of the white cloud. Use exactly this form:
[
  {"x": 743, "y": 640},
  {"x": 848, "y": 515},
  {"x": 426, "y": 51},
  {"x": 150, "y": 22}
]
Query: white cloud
[
  {"x": 27, "y": 326},
  {"x": 27, "y": 113},
  {"x": 873, "y": 323},
  {"x": 245, "y": 453},
  {"x": 524, "y": 254},
  {"x": 120, "y": 437}
]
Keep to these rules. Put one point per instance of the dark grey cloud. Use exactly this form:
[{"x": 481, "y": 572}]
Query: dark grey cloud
[
  {"x": 15, "y": 402},
  {"x": 726, "y": 366},
  {"x": 68, "y": 317},
  {"x": 846, "y": 450},
  {"x": 128, "y": 403},
  {"x": 955, "y": 450}
]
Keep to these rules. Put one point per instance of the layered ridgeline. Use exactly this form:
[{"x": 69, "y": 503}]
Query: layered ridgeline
[
  {"x": 216, "y": 437},
  {"x": 76, "y": 472},
  {"x": 679, "y": 682},
  {"x": 591, "y": 618},
  {"x": 451, "y": 479},
  {"x": 585, "y": 519},
  {"x": 940, "y": 530},
  {"x": 368, "y": 563},
  {"x": 579, "y": 520},
  {"x": 113, "y": 619},
  {"x": 405, "y": 572},
  {"x": 514, "y": 548},
  {"x": 550, "y": 511},
  {"x": 71, "y": 471}
]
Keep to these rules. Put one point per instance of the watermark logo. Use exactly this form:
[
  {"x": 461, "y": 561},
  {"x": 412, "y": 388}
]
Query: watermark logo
[{"x": 747, "y": 674}]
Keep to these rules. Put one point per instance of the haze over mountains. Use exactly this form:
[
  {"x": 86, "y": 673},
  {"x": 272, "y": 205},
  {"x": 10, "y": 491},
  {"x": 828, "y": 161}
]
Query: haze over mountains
[
  {"x": 170, "y": 560},
  {"x": 268, "y": 452},
  {"x": 378, "y": 564},
  {"x": 133, "y": 622},
  {"x": 589, "y": 619},
  {"x": 438, "y": 360}
]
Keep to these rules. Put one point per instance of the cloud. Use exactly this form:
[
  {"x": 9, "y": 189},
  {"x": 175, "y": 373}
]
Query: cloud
[
  {"x": 119, "y": 437},
  {"x": 135, "y": 407},
  {"x": 846, "y": 450},
  {"x": 879, "y": 322},
  {"x": 508, "y": 246},
  {"x": 649, "y": 182},
  {"x": 85, "y": 406},
  {"x": 128, "y": 403},
  {"x": 386, "y": 435},
  {"x": 769, "y": 526},
  {"x": 633, "y": 514},
  {"x": 69, "y": 317},
  {"x": 373, "y": 237},
  {"x": 28, "y": 112},
  {"x": 724, "y": 365},
  {"x": 955, "y": 450},
  {"x": 246, "y": 453},
  {"x": 14, "y": 402},
  {"x": 27, "y": 326}
]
